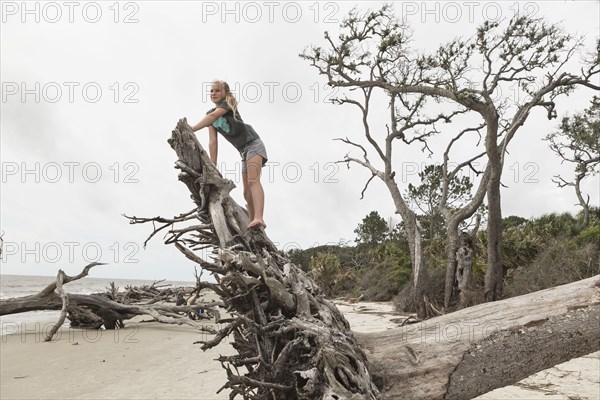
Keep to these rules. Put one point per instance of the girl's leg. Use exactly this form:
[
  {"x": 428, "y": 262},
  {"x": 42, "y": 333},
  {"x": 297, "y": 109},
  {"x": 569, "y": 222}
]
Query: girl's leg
[
  {"x": 248, "y": 196},
  {"x": 256, "y": 197}
]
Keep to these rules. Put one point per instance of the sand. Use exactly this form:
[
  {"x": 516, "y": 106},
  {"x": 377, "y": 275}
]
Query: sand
[
  {"x": 143, "y": 361},
  {"x": 148, "y": 360}
]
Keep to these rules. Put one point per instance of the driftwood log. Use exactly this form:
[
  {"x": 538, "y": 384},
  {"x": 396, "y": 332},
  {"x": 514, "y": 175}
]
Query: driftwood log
[
  {"x": 293, "y": 343},
  {"x": 473, "y": 351},
  {"x": 99, "y": 309}
]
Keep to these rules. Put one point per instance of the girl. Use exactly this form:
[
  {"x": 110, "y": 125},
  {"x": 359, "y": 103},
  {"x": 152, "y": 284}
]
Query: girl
[{"x": 226, "y": 120}]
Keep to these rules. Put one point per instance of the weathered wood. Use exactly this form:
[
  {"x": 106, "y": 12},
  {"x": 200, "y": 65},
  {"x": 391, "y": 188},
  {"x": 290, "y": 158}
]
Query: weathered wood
[
  {"x": 470, "y": 352},
  {"x": 65, "y": 304},
  {"x": 108, "y": 310},
  {"x": 464, "y": 268},
  {"x": 98, "y": 308},
  {"x": 291, "y": 341}
]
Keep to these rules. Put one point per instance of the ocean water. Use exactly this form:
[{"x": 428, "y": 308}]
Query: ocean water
[{"x": 26, "y": 285}]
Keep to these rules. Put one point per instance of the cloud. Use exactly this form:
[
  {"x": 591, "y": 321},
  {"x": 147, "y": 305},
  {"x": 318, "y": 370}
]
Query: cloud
[
  {"x": 152, "y": 72},
  {"x": 30, "y": 128}
]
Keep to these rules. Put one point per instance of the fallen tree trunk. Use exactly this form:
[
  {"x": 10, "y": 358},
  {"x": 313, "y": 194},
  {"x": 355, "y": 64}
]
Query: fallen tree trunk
[
  {"x": 107, "y": 312},
  {"x": 473, "y": 351}
]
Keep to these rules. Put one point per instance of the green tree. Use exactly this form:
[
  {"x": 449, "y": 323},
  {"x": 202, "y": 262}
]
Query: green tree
[
  {"x": 372, "y": 230},
  {"x": 513, "y": 221},
  {"x": 389, "y": 270},
  {"x": 326, "y": 270},
  {"x": 428, "y": 195},
  {"x": 578, "y": 141}
]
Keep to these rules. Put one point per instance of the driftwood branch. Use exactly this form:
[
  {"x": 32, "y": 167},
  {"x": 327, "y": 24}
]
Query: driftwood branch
[{"x": 65, "y": 304}]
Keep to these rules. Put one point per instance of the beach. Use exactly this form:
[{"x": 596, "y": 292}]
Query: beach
[
  {"x": 149, "y": 360},
  {"x": 143, "y": 361}
]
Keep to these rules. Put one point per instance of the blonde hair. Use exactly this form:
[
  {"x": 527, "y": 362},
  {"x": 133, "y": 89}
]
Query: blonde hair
[{"x": 229, "y": 97}]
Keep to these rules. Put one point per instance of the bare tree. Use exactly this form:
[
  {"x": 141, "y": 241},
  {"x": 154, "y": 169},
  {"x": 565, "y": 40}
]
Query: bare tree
[
  {"x": 415, "y": 296},
  {"x": 372, "y": 52}
]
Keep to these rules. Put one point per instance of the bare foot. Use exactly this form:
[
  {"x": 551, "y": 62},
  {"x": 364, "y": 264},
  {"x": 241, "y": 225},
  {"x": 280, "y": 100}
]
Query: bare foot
[{"x": 257, "y": 223}]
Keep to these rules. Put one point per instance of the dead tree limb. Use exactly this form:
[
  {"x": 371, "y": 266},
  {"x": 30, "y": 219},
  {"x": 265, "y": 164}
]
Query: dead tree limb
[{"x": 65, "y": 304}]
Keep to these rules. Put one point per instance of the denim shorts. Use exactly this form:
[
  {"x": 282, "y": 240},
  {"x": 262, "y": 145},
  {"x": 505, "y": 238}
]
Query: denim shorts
[{"x": 255, "y": 147}]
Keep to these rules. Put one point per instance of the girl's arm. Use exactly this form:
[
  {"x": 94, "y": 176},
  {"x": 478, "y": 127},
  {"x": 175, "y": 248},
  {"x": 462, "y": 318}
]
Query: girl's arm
[
  {"x": 213, "y": 144},
  {"x": 209, "y": 119}
]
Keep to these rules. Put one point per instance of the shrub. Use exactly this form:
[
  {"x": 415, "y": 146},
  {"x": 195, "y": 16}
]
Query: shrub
[
  {"x": 590, "y": 235},
  {"x": 561, "y": 261},
  {"x": 331, "y": 277},
  {"x": 389, "y": 270}
]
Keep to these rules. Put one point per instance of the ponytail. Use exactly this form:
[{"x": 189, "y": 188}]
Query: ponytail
[{"x": 229, "y": 97}]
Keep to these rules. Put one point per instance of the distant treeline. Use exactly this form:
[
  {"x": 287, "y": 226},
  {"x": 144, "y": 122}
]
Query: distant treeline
[{"x": 537, "y": 253}]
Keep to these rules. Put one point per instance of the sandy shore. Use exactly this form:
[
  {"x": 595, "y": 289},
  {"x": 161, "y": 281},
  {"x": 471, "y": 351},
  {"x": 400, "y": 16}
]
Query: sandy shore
[
  {"x": 148, "y": 360},
  {"x": 143, "y": 361}
]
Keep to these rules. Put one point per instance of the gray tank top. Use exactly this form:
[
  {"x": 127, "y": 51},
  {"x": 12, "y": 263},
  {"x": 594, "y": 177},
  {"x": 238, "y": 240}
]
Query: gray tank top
[{"x": 238, "y": 133}]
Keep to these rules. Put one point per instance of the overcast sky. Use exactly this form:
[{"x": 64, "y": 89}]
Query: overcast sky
[{"x": 92, "y": 90}]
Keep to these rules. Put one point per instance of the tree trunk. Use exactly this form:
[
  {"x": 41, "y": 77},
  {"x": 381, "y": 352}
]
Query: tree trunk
[
  {"x": 582, "y": 202},
  {"x": 494, "y": 275},
  {"x": 473, "y": 351},
  {"x": 464, "y": 270},
  {"x": 292, "y": 342},
  {"x": 459, "y": 267},
  {"x": 420, "y": 278},
  {"x": 451, "y": 261},
  {"x": 412, "y": 297}
]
